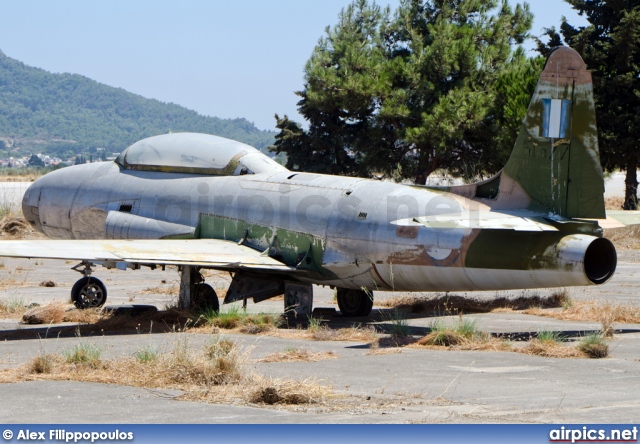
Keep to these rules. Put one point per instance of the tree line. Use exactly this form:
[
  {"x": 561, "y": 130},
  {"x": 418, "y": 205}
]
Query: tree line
[{"x": 444, "y": 84}]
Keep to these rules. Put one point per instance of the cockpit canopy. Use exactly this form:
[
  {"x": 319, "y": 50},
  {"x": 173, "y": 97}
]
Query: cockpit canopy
[{"x": 196, "y": 153}]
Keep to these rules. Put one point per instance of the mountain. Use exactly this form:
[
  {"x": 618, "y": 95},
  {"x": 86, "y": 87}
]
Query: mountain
[{"x": 64, "y": 114}]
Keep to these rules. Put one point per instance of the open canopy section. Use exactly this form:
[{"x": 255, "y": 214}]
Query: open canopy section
[{"x": 196, "y": 154}]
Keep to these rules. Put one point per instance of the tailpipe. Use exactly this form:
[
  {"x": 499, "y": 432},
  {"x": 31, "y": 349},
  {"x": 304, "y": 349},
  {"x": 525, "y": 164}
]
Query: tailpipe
[
  {"x": 600, "y": 260},
  {"x": 583, "y": 259}
]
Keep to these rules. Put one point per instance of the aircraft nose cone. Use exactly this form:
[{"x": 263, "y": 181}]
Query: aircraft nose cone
[{"x": 30, "y": 201}]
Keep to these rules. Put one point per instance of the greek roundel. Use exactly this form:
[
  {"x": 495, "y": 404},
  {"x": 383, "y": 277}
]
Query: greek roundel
[{"x": 556, "y": 118}]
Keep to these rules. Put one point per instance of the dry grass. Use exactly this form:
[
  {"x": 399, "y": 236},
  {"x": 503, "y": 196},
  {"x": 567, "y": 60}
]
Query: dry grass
[
  {"x": 21, "y": 176},
  {"x": 12, "y": 227},
  {"x": 10, "y": 282},
  {"x": 625, "y": 238},
  {"x": 440, "y": 304},
  {"x": 172, "y": 290},
  {"x": 592, "y": 311},
  {"x": 297, "y": 355},
  {"x": 551, "y": 349},
  {"x": 216, "y": 373},
  {"x": 613, "y": 203},
  {"x": 57, "y": 312},
  {"x": 357, "y": 333},
  {"x": 288, "y": 392},
  {"x": 14, "y": 306}
]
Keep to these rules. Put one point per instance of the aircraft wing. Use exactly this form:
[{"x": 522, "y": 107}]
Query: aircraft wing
[{"x": 212, "y": 253}]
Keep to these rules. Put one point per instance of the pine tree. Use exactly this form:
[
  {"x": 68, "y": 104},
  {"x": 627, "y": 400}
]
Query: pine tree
[{"x": 405, "y": 94}]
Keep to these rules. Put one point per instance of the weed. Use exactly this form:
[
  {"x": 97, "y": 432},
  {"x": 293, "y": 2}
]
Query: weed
[
  {"x": 594, "y": 346},
  {"x": 219, "y": 347},
  {"x": 146, "y": 354},
  {"x": 548, "y": 336},
  {"x": 14, "y": 304},
  {"x": 315, "y": 324},
  {"x": 399, "y": 324},
  {"x": 236, "y": 317},
  {"x": 467, "y": 327},
  {"x": 465, "y": 331},
  {"x": 84, "y": 353},
  {"x": 43, "y": 363}
]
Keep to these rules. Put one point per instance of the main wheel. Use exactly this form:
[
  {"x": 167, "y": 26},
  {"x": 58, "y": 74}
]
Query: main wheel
[
  {"x": 205, "y": 297},
  {"x": 88, "y": 292},
  {"x": 354, "y": 302}
]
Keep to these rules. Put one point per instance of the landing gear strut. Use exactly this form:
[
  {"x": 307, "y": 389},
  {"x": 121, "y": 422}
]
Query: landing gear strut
[
  {"x": 194, "y": 292},
  {"x": 88, "y": 292},
  {"x": 354, "y": 302}
]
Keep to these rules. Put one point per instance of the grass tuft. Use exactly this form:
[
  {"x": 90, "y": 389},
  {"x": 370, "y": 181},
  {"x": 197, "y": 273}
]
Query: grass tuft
[
  {"x": 84, "y": 353},
  {"x": 43, "y": 363},
  {"x": 277, "y": 391},
  {"x": 464, "y": 332},
  {"x": 146, "y": 354},
  {"x": 595, "y": 346},
  {"x": 13, "y": 305},
  {"x": 236, "y": 317}
]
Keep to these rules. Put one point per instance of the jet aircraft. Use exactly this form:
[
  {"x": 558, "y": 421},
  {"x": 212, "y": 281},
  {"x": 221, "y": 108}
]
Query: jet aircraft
[{"x": 199, "y": 202}]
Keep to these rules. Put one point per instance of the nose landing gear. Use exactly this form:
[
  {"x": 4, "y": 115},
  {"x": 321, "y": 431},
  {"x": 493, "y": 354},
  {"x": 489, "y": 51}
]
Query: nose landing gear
[{"x": 88, "y": 292}]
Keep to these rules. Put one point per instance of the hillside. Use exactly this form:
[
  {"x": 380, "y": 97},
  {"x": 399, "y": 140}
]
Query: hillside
[{"x": 64, "y": 114}]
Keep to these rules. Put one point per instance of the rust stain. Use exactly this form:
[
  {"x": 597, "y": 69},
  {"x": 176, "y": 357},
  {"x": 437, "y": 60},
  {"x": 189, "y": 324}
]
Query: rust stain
[{"x": 409, "y": 232}]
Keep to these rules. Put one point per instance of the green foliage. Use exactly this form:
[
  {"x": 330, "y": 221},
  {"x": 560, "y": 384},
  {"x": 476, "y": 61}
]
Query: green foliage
[
  {"x": 75, "y": 114},
  {"x": 399, "y": 324},
  {"x": 235, "y": 317},
  {"x": 610, "y": 46},
  {"x": 548, "y": 336},
  {"x": 407, "y": 93},
  {"x": 594, "y": 345},
  {"x": 35, "y": 161},
  {"x": 146, "y": 354},
  {"x": 84, "y": 353}
]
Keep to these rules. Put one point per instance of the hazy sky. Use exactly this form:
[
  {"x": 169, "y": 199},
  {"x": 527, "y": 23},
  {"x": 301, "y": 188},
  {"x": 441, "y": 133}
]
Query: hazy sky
[{"x": 228, "y": 58}]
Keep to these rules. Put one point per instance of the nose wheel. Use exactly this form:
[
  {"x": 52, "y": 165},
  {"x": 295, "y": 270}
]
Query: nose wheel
[{"x": 88, "y": 292}]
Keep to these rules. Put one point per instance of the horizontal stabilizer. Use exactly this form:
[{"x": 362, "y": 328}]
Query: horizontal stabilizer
[
  {"x": 487, "y": 220},
  {"x": 619, "y": 219}
]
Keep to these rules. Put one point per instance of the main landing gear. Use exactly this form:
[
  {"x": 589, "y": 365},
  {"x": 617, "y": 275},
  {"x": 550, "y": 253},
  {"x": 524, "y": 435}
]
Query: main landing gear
[
  {"x": 354, "y": 302},
  {"x": 194, "y": 292}
]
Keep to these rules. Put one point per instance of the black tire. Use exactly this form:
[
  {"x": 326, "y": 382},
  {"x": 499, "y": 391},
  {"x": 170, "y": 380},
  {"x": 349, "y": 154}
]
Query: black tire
[
  {"x": 205, "y": 297},
  {"x": 354, "y": 302},
  {"x": 88, "y": 292}
]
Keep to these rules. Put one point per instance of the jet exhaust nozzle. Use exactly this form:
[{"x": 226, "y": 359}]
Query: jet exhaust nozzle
[{"x": 600, "y": 260}]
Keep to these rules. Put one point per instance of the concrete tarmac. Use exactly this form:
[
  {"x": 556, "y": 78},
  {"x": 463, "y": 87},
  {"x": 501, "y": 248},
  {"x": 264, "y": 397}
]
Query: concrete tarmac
[{"x": 413, "y": 385}]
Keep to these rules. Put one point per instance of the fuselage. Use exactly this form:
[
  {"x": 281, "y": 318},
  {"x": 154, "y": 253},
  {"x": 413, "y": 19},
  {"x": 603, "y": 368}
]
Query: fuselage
[{"x": 360, "y": 233}]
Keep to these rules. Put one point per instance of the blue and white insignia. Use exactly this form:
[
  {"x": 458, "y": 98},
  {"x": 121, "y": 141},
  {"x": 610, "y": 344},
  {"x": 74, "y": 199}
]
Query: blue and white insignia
[{"x": 556, "y": 118}]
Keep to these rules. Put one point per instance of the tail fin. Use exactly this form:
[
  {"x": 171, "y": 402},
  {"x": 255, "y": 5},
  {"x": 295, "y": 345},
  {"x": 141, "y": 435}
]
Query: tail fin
[{"x": 555, "y": 160}]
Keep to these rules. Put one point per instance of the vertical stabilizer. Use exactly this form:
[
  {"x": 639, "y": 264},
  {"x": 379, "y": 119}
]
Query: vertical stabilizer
[{"x": 556, "y": 160}]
